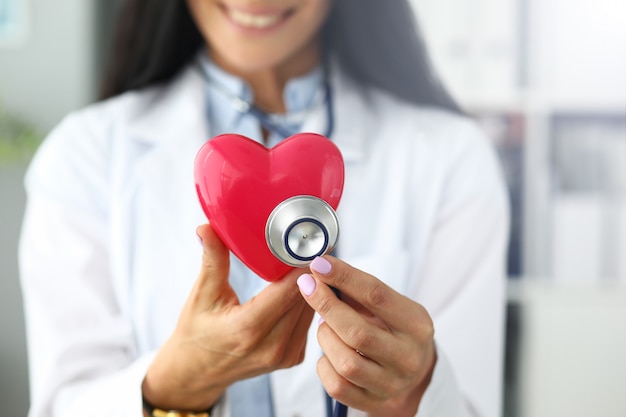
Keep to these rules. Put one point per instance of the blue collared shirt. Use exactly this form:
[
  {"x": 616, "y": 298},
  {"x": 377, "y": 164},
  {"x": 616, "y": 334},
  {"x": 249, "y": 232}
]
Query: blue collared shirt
[{"x": 299, "y": 96}]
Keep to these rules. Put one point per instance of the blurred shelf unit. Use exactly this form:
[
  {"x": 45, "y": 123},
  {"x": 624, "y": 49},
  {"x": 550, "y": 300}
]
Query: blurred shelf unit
[
  {"x": 508, "y": 131},
  {"x": 588, "y": 159},
  {"x": 546, "y": 79}
]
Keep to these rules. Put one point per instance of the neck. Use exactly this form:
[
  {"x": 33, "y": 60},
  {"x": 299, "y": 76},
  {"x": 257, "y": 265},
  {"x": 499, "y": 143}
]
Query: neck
[
  {"x": 267, "y": 88},
  {"x": 267, "y": 84}
]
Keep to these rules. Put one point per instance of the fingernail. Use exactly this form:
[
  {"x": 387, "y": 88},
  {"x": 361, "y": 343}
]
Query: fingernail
[
  {"x": 319, "y": 323},
  {"x": 306, "y": 284},
  {"x": 321, "y": 265}
]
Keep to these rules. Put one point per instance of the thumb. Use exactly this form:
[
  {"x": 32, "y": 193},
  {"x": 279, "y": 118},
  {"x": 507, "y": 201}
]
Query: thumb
[{"x": 212, "y": 289}]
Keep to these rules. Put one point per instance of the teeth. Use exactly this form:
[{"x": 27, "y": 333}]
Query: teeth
[{"x": 254, "y": 21}]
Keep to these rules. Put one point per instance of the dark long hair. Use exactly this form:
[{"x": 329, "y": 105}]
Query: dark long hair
[{"x": 377, "y": 42}]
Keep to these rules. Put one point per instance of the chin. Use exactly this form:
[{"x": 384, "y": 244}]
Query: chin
[{"x": 251, "y": 62}]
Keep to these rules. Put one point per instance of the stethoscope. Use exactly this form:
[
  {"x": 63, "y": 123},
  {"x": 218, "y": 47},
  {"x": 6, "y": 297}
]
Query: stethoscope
[{"x": 302, "y": 227}]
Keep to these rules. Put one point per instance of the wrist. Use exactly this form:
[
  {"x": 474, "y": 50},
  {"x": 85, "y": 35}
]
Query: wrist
[
  {"x": 163, "y": 393},
  {"x": 173, "y": 384}
]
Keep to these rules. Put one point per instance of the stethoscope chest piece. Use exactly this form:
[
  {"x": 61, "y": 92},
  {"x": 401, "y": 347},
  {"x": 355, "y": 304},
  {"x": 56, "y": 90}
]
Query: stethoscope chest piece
[{"x": 301, "y": 228}]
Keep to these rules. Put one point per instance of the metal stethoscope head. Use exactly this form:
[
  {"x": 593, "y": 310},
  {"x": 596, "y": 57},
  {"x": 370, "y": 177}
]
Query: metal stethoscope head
[{"x": 301, "y": 228}]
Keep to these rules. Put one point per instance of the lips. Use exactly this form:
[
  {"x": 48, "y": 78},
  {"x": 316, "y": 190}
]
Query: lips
[{"x": 252, "y": 19}]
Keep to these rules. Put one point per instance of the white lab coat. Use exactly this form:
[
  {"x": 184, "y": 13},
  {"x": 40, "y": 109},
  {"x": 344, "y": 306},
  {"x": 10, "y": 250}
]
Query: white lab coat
[{"x": 109, "y": 253}]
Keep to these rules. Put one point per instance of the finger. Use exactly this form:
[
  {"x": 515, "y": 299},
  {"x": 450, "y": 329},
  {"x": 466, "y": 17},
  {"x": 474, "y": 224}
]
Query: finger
[
  {"x": 284, "y": 344},
  {"x": 351, "y": 364},
  {"x": 355, "y": 330},
  {"x": 341, "y": 389},
  {"x": 300, "y": 335},
  {"x": 396, "y": 310},
  {"x": 212, "y": 288},
  {"x": 263, "y": 311},
  {"x": 296, "y": 343}
]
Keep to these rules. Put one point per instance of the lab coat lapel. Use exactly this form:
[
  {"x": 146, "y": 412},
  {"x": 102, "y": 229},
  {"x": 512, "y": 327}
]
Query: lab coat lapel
[
  {"x": 174, "y": 112},
  {"x": 170, "y": 130},
  {"x": 165, "y": 136},
  {"x": 349, "y": 107}
]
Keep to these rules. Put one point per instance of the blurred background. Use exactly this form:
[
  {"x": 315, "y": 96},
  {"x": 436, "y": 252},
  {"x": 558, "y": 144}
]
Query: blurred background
[{"x": 546, "y": 79}]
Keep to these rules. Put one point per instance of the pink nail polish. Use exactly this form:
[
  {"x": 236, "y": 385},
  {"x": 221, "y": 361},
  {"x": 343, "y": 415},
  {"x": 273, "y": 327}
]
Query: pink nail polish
[
  {"x": 306, "y": 284},
  {"x": 321, "y": 265}
]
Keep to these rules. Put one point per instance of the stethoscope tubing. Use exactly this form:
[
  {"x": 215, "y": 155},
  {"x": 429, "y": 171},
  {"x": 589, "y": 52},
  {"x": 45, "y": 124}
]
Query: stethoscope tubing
[
  {"x": 268, "y": 124},
  {"x": 340, "y": 410},
  {"x": 244, "y": 106}
]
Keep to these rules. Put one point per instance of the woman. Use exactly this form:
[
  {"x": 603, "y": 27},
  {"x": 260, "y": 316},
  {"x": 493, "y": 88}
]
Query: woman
[{"x": 121, "y": 323}]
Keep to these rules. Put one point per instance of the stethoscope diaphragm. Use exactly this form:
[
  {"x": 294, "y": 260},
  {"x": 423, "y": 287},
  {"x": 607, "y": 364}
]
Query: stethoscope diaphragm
[{"x": 301, "y": 228}]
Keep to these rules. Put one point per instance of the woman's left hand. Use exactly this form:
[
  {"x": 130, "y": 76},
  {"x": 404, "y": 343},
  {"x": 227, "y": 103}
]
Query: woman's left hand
[{"x": 379, "y": 352}]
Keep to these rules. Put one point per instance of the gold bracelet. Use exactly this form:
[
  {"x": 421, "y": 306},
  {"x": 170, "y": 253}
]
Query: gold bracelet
[{"x": 157, "y": 412}]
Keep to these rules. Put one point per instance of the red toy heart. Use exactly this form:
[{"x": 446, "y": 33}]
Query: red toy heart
[{"x": 240, "y": 181}]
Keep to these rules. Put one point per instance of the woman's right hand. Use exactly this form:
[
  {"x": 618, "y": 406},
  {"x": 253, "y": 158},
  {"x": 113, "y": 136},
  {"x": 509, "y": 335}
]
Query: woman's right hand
[{"x": 218, "y": 341}]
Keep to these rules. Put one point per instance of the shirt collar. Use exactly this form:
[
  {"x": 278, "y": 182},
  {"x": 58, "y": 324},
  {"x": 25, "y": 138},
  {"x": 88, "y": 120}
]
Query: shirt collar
[{"x": 222, "y": 111}]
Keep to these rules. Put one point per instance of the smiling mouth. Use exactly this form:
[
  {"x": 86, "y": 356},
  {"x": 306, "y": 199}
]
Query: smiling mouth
[{"x": 257, "y": 20}]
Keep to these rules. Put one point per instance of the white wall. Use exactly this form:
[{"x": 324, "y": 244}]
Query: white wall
[
  {"x": 52, "y": 71},
  {"x": 578, "y": 49}
]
